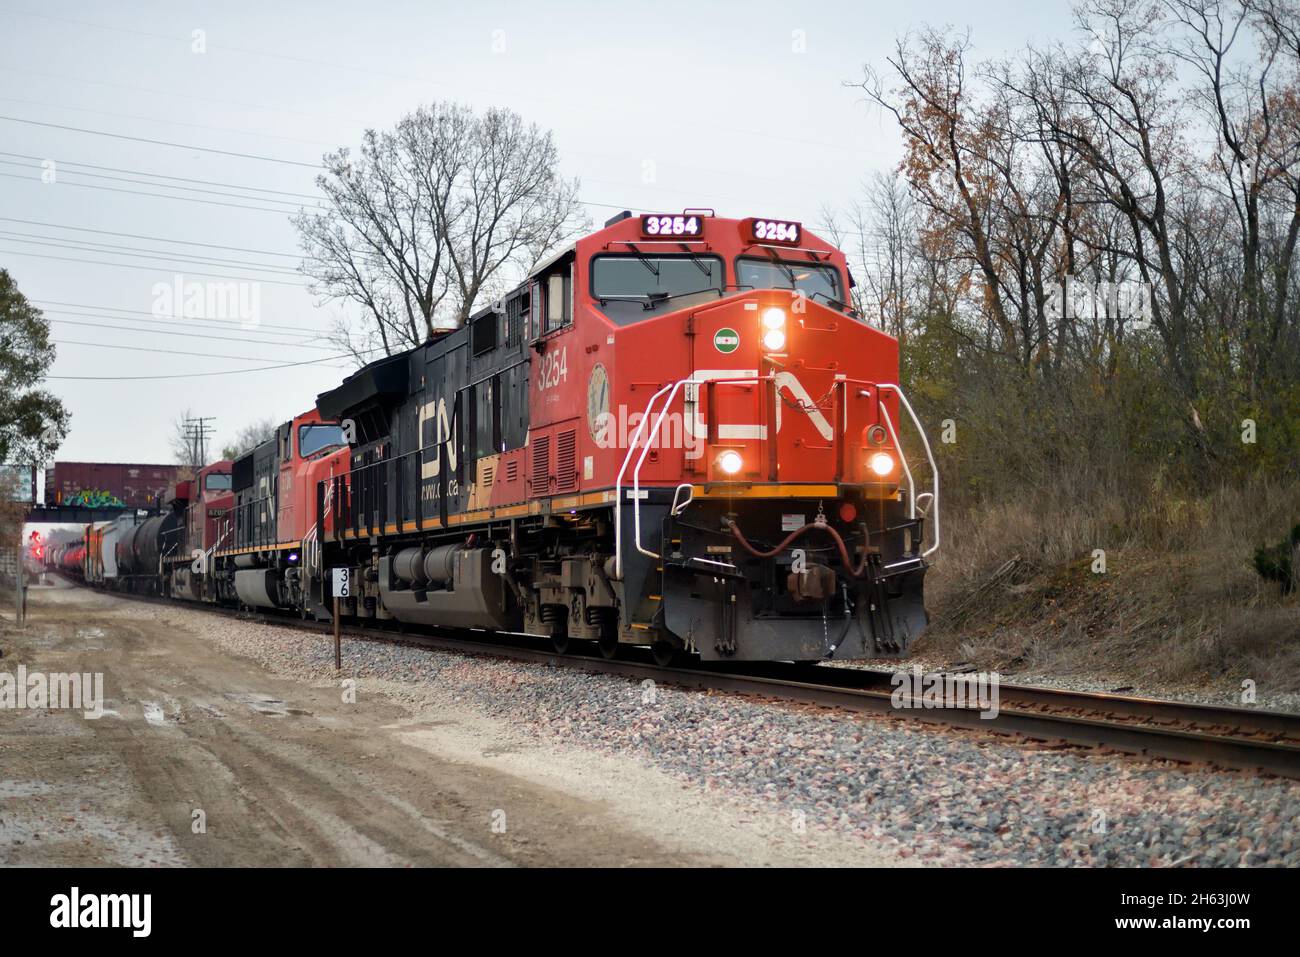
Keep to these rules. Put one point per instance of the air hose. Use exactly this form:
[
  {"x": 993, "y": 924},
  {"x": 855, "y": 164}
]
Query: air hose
[{"x": 855, "y": 571}]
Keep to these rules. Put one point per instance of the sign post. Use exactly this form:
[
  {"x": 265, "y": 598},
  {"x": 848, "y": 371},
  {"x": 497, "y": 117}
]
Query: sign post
[
  {"x": 20, "y": 612},
  {"x": 342, "y": 588},
  {"x": 21, "y": 575}
]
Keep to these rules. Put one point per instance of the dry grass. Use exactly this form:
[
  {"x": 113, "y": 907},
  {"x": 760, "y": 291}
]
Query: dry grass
[{"x": 1179, "y": 602}]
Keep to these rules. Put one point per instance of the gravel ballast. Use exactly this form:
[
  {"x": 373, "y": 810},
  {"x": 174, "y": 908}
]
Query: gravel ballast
[{"x": 936, "y": 795}]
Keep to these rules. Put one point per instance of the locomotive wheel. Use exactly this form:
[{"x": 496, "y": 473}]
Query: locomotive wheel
[
  {"x": 664, "y": 653},
  {"x": 608, "y": 644},
  {"x": 560, "y": 642}
]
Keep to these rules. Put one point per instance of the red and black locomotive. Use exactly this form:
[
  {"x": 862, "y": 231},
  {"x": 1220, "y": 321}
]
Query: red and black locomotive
[{"x": 675, "y": 433}]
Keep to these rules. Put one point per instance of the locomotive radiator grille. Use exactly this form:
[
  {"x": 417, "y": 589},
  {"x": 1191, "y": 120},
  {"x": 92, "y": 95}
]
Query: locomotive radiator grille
[
  {"x": 566, "y": 462},
  {"x": 541, "y": 464}
]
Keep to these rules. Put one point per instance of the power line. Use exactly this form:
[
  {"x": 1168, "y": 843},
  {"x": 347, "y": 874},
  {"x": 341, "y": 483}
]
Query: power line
[
  {"x": 425, "y": 81},
  {"x": 183, "y": 179},
  {"x": 88, "y": 246},
  {"x": 150, "y": 119},
  {"x": 190, "y": 323},
  {"x": 169, "y": 352},
  {"x": 145, "y": 182},
  {"x": 157, "y": 239},
  {"x": 189, "y": 335},
  {"x": 141, "y": 312},
  {"x": 153, "y": 269},
  {"x": 136, "y": 192},
  {"x": 204, "y": 375},
  {"x": 269, "y": 159},
  {"x": 145, "y": 139}
]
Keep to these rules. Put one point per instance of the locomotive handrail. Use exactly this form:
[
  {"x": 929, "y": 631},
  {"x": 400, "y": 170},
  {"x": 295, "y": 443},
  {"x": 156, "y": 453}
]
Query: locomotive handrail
[
  {"x": 929, "y": 454},
  {"x": 671, "y": 388},
  {"x": 618, "y": 485},
  {"x": 902, "y": 460},
  {"x": 225, "y": 530},
  {"x": 367, "y": 497}
]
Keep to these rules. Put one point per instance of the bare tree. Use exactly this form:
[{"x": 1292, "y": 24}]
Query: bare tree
[
  {"x": 429, "y": 217},
  {"x": 249, "y": 437},
  {"x": 1160, "y": 148},
  {"x": 878, "y": 233}
]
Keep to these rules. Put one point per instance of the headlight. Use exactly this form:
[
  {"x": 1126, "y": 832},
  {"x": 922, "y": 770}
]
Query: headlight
[
  {"x": 773, "y": 340},
  {"x": 730, "y": 462},
  {"x": 882, "y": 463},
  {"x": 773, "y": 318}
]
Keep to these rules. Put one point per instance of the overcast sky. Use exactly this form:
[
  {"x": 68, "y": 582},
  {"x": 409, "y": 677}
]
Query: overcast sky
[{"x": 711, "y": 99}]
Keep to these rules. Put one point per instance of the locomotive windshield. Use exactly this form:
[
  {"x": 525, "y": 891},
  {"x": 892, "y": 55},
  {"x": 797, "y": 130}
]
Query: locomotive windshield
[
  {"x": 217, "y": 482},
  {"x": 314, "y": 438},
  {"x": 631, "y": 286},
  {"x": 819, "y": 282}
]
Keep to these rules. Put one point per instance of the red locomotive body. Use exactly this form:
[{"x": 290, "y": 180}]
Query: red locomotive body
[
  {"x": 272, "y": 519},
  {"x": 674, "y": 433},
  {"x": 205, "y": 502}
]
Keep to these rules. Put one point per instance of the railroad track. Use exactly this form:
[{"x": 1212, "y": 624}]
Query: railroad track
[{"x": 1266, "y": 742}]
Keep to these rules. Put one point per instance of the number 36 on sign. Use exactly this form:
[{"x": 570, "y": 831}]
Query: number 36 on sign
[{"x": 342, "y": 582}]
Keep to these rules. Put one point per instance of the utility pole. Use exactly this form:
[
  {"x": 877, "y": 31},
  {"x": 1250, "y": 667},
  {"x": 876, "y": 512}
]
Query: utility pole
[{"x": 197, "y": 431}]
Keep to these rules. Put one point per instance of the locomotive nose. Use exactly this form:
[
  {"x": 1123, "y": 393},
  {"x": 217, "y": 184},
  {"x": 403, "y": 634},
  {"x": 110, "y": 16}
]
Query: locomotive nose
[{"x": 767, "y": 364}]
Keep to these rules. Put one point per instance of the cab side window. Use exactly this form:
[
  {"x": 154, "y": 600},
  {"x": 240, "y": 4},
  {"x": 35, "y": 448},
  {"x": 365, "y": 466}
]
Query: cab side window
[{"x": 559, "y": 300}]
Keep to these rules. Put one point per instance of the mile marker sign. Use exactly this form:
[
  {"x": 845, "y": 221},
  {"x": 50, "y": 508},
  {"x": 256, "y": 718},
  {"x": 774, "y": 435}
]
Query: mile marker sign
[{"x": 342, "y": 582}]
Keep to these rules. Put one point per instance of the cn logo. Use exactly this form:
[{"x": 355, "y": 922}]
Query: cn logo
[
  {"x": 445, "y": 434},
  {"x": 786, "y": 381}
]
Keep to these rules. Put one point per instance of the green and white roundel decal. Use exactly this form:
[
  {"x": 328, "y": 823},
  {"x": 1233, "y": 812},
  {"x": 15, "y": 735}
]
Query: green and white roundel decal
[{"x": 726, "y": 340}]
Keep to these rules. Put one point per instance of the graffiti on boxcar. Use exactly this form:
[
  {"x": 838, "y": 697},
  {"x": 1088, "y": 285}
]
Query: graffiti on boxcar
[{"x": 94, "y": 498}]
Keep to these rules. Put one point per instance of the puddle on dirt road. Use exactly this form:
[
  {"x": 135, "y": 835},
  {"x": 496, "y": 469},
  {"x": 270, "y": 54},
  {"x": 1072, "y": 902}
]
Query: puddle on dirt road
[{"x": 265, "y": 704}]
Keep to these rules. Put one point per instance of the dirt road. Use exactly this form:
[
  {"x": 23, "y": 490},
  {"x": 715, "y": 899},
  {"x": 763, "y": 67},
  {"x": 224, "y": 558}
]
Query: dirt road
[{"x": 206, "y": 758}]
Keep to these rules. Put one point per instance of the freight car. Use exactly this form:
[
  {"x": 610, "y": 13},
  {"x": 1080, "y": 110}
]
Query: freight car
[{"x": 104, "y": 484}]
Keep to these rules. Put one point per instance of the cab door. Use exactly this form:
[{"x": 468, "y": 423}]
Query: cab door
[{"x": 285, "y": 491}]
